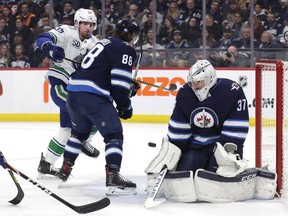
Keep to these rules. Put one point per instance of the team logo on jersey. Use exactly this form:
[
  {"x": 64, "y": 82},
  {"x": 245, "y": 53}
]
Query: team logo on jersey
[
  {"x": 204, "y": 117},
  {"x": 235, "y": 86}
]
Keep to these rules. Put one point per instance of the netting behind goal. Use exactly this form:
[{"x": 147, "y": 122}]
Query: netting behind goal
[{"x": 271, "y": 115}]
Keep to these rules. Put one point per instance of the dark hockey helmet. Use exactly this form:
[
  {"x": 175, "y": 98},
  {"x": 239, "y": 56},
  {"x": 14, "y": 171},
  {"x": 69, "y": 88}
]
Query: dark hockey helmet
[{"x": 126, "y": 30}]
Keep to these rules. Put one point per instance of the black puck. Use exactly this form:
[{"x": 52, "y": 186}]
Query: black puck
[{"x": 151, "y": 144}]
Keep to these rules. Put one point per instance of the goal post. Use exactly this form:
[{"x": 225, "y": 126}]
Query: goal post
[{"x": 271, "y": 119}]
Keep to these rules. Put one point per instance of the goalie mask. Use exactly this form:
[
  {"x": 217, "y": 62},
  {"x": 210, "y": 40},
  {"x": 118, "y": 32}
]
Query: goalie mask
[
  {"x": 201, "y": 78},
  {"x": 85, "y": 15}
]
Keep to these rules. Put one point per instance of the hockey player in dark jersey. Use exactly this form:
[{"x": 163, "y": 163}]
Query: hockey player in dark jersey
[
  {"x": 207, "y": 110},
  {"x": 105, "y": 77},
  {"x": 203, "y": 149}
]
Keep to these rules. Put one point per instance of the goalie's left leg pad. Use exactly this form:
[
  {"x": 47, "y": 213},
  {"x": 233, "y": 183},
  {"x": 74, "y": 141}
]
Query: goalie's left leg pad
[
  {"x": 179, "y": 186},
  {"x": 214, "y": 188},
  {"x": 266, "y": 184}
]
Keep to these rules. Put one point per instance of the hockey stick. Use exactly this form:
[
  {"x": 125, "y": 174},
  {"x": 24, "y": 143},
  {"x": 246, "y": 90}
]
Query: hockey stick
[
  {"x": 91, "y": 207},
  {"x": 20, "y": 192},
  {"x": 151, "y": 200},
  {"x": 172, "y": 87}
]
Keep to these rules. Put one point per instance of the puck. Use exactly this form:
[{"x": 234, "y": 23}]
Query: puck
[{"x": 151, "y": 144}]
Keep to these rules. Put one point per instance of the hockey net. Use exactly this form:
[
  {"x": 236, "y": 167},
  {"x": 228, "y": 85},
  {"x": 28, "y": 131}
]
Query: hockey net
[{"x": 271, "y": 114}]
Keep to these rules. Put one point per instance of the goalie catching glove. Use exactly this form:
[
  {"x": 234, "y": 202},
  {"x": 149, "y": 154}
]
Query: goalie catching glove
[{"x": 54, "y": 52}]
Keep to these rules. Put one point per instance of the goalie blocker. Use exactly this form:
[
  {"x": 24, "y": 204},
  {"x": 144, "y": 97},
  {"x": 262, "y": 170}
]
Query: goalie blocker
[{"x": 232, "y": 182}]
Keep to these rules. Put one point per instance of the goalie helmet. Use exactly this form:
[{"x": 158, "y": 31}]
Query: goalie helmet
[
  {"x": 126, "y": 30},
  {"x": 85, "y": 15},
  {"x": 201, "y": 78}
]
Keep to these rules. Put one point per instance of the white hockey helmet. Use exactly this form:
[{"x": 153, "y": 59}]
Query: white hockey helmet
[
  {"x": 85, "y": 15},
  {"x": 202, "y": 76}
]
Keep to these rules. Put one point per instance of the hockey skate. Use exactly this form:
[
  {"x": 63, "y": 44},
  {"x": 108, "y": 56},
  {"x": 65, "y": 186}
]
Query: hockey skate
[
  {"x": 117, "y": 184},
  {"x": 89, "y": 150},
  {"x": 46, "y": 170},
  {"x": 65, "y": 170}
]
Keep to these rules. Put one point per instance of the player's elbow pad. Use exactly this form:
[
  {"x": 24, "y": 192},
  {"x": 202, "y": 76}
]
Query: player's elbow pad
[{"x": 42, "y": 39}]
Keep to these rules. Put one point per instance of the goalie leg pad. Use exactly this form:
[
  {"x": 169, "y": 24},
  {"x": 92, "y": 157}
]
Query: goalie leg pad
[
  {"x": 214, "y": 188},
  {"x": 179, "y": 186},
  {"x": 265, "y": 184},
  {"x": 168, "y": 155}
]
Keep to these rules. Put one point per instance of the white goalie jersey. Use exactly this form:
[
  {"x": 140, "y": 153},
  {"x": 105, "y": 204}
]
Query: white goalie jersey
[{"x": 67, "y": 37}]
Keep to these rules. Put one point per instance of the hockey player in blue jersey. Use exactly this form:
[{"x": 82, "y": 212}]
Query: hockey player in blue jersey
[
  {"x": 61, "y": 44},
  {"x": 105, "y": 77},
  {"x": 203, "y": 149},
  {"x": 207, "y": 110}
]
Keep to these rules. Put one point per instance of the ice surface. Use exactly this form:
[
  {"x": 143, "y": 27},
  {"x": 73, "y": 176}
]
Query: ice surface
[{"x": 22, "y": 144}]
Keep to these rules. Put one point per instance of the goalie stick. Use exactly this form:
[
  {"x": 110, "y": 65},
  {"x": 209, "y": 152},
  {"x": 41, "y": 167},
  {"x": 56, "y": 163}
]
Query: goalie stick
[
  {"x": 20, "y": 193},
  {"x": 151, "y": 200},
  {"x": 91, "y": 207}
]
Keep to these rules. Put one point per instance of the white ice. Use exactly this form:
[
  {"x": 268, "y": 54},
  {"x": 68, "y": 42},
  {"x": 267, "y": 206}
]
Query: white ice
[{"x": 22, "y": 144}]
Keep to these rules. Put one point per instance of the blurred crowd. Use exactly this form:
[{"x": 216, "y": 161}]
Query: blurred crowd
[{"x": 173, "y": 34}]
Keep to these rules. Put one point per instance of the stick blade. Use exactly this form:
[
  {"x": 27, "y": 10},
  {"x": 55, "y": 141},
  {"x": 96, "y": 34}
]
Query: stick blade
[
  {"x": 20, "y": 192},
  {"x": 95, "y": 206},
  {"x": 173, "y": 87}
]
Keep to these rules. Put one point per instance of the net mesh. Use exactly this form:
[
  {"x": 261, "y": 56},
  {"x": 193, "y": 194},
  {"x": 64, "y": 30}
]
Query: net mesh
[{"x": 269, "y": 154}]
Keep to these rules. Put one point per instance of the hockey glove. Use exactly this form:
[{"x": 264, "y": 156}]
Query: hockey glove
[
  {"x": 125, "y": 113},
  {"x": 56, "y": 53},
  {"x": 134, "y": 88}
]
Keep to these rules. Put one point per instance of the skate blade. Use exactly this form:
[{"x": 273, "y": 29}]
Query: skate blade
[
  {"x": 119, "y": 191},
  {"x": 42, "y": 176}
]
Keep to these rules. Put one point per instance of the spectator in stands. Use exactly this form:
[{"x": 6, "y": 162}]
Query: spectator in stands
[
  {"x": 213, "y": 27},
  {"x": 228, "y": 9},
  {"x": 9, "y": 18},
  {"x": 273, "y": 26},
  {"x": 258, "y": 27},
  {"x": 226, "y": 39},
  {"x": 190, "y": 11},
  {"x": 48, "y": 13},
  {"x": 5, "y": 55},
  {"x": 67, "y": 20},
  {"x": 29, "y": 19},
  {"x": 25, "y": 32},
  {"x": 174, "y": 12},
  {"x": 267, "y": 43},
  {"x": 260, "y": 12},
  {"x": 148, "y": 24},
  {"x": 231, "y": 58},
  {"x": 68, "y": 11},
  {"x": 175, "y": 56},
  {"x": 148, "y": 54},
  {"x": 134, "y": 13},
  {"x": 244, "y": 41},
  {"x": 4, "y": 31},
  {"x": 43, "y": 28},
  {"x": 165, "y": 34},
  {"x": 162, "y": 7},
  {"x": 110, "y": 14},
  {"x": 210, "y": 41},
  {"x": 191, "y": 30},
  {"x": 238, "y": 24},
  {"x": 34, "y": 8},
  {"x": 19, "y": 60},
  {"x": 150, "y": 9},
  {"x": 215, "y": 11}
]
